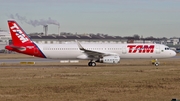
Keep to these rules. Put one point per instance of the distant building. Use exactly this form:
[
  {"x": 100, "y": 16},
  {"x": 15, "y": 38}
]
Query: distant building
[
  {"x": 81, "y": 38},
  {"x": 4, "y": 38},
  {"x": 173, "y": 41}
]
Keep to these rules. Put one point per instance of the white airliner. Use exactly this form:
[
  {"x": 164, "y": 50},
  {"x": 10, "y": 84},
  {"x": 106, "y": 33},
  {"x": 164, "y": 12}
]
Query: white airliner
[{"x": 102, "y": 53}]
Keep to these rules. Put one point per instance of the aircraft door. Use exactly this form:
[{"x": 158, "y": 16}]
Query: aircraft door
[
  {"x": 124, "y": 50},
  {"x": 158, "y": 49}
]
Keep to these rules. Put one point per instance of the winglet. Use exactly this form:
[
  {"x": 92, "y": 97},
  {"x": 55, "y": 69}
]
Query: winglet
[{"x": 79, "y": 45}]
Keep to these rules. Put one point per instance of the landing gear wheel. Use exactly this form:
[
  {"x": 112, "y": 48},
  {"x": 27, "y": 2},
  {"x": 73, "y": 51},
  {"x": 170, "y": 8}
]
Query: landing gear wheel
[
  {"x": 156, "y": 64},
  {"x": 92, "y": 64}
]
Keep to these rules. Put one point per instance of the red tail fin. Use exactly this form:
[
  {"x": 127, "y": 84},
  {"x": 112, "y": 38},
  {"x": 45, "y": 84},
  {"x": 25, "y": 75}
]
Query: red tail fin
[
  {"x": 19, "y": 37},
  {"x": 21, "y": 42}
]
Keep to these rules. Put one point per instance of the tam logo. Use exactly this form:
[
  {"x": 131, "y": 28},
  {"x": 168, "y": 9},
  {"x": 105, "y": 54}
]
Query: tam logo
[
  {"x": 19, "y": 33},
  {"x": 141, "y": 48}
]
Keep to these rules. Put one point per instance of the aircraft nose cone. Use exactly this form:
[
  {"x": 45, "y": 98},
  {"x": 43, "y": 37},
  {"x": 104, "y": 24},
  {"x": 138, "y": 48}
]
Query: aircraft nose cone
[{"x": 173, "y": 53}]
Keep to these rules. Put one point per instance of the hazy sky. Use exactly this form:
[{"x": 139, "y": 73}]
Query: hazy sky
[{"x": 156, "y": 18}]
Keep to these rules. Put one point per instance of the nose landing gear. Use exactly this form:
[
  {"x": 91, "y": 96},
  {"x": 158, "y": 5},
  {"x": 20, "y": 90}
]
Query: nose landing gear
[{"x": 155, "y": 62}]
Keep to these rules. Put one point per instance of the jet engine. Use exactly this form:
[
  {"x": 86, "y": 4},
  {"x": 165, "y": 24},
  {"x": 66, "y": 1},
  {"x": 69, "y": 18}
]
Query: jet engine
[{"x": 109, "y": 59}]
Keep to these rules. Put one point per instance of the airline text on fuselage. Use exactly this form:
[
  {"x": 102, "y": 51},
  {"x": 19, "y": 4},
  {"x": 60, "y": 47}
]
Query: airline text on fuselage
[{"x": 141, "y": 48}]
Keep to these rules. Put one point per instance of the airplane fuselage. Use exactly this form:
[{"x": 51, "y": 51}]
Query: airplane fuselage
[{"x": 72, "y": 51}]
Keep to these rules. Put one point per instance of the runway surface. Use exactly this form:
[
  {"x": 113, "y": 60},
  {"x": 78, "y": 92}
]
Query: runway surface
[{"x": 43, "y": 60}]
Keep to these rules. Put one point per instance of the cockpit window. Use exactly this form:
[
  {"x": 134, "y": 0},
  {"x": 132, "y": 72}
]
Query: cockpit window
[{"x": 167, "y": 48}]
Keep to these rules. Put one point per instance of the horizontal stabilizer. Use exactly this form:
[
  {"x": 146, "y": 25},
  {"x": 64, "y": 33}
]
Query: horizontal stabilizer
[{"x": 12, "y": 47}]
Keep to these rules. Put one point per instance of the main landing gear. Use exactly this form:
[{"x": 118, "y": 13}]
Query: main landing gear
[
  {"x": 155, "y": 62},
  {"x": 91, "y": 63}
]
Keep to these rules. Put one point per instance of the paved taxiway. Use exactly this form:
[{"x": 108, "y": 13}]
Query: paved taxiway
[{"x": 42, "y": 60}]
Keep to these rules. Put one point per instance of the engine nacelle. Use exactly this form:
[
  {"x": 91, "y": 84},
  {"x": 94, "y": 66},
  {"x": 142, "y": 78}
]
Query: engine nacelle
[{"x": 109, "y": 59}]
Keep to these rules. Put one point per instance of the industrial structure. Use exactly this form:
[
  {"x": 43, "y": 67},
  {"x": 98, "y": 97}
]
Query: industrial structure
[{"x": 45, "y": 29}]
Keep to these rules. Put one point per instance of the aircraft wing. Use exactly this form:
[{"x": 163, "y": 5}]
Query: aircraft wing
[{"x": 94, "y": 54}]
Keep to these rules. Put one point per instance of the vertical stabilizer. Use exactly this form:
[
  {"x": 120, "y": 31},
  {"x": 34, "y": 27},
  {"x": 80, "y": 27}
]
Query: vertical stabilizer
[{"x": 19, "y": 36}]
